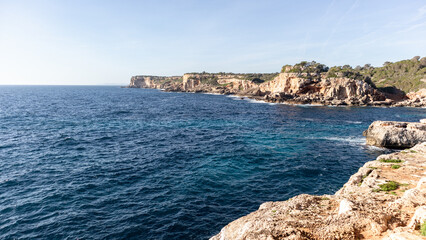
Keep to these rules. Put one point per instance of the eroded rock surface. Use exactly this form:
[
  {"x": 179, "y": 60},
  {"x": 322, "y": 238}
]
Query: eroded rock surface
[
  {"x": 287, "y": 87},
  {"x": 320, "y": 89},
  {"x": 395, "y": 134},
  {"x": 361, "y": 209},
  {"x": 414, "y": 99}
]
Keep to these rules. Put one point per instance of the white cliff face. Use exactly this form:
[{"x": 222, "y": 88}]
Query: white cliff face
[
  {"x": 151, "y": 81},
  {"x": 188, "y": 83},
  {"x": 290, "y": 83},
  {"x": 140, "y": 82},
  {"x": 231, "y": 82},
  {"x": 237, "y": 84}
]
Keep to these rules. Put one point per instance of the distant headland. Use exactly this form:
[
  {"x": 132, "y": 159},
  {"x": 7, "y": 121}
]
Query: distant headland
[{"x": 401, "y": 83}]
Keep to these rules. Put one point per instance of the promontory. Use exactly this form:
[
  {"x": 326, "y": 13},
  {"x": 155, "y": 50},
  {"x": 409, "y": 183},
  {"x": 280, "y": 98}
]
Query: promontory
[{"x": 401, "y": 83}]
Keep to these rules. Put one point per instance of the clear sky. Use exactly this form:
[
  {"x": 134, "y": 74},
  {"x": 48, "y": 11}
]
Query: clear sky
[{"x": 106, "y": 42}]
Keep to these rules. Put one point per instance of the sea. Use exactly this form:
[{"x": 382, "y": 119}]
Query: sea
[{"x": 104, "y": 162}]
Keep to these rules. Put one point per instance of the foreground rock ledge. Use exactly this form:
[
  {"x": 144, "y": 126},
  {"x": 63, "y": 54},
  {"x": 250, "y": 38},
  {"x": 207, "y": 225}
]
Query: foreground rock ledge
[
  {"x": 361, "y": 209},
  {"x": 396, "y": 134}
]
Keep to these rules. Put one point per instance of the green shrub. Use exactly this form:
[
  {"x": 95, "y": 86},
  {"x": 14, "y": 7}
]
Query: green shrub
[
  {"x": 423, "y": 229},
  {"x": 390, "y": 160},
  {"x": 396, "y": 166},
  {"x": 389, "y": 186}
]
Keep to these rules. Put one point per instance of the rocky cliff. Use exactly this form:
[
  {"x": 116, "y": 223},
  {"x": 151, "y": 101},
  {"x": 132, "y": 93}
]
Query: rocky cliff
[
  {"x": 385, "y": 199},
  {"x": 303, "y": 83},
  {"x": 147, "y": 81},
  {"x": 320, "y": 89},
  {"x": 297, "y": 88}
]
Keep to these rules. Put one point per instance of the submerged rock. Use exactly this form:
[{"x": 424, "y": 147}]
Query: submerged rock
[{"x": 395, "y": 134}]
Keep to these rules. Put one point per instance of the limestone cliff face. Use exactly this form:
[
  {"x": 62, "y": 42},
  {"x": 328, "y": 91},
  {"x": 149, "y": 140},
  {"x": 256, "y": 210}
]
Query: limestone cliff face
[
  {"x": 146, "y": 81},
  {"x": 289, "y": 83},
  {"x": 300, "y": 87},
  {"x": 228, "y": 83},
  {"x": 190, "y": 81},
  {"x": 287, "y": 87},
  {"x": 378, "y": 202}
]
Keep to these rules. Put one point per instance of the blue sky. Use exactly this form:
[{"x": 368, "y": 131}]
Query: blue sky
[{"x": 106, "y": 42}]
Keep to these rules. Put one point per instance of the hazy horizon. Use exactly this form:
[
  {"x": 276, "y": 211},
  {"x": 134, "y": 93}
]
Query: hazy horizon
[{"x": 107, "y": 42}]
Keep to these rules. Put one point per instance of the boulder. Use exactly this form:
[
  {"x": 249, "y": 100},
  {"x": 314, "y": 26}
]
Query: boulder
[{"x": 398, "y": 135}]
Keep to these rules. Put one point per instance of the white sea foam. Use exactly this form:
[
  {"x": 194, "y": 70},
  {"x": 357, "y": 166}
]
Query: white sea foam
[
  {"x": 234, "y": 97},
  {"x": 357, "y": 140},
  {"x": 308, "y": 105},
  {"x": 258, "y": 101},
  {"x": 354, "y": 122},
  {"x": 374, "y": 148},
  {"x": 346, "y": 139}
]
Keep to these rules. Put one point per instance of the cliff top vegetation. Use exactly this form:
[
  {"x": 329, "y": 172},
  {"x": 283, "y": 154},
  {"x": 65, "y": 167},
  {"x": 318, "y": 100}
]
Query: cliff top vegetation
[{"x": 406, "y": 75}]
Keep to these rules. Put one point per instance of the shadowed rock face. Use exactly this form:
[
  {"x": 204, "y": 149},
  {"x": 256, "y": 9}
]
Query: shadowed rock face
[
  {"x": 395, "y": 134},
  {"x": 361, "y": 209},
  {"x": 414, "y": 99}
]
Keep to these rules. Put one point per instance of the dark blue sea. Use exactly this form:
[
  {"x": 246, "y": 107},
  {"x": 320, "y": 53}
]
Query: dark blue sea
[{"x": 86, "y": 162}]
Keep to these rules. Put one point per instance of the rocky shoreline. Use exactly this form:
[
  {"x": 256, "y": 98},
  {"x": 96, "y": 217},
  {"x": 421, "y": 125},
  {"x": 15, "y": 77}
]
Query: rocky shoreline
[
  {"x": 286, "y": 87},
  {"x": 383, "y": 200}
]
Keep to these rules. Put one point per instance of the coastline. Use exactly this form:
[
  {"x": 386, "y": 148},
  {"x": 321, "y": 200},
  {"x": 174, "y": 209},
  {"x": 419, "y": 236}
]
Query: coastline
[
  {"x": 359, "y": 210},
  {"x": 259, "y": 100},
  {"x": 362, "y": 209},
  {"x": 288, "y": 87}
]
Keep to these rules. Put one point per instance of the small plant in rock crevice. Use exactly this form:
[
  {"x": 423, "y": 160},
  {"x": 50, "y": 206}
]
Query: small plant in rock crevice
[
  {"x": 389, "y": 186},
  {"x": 390, "y": 160},
  {"x": 423, "y": 229}
]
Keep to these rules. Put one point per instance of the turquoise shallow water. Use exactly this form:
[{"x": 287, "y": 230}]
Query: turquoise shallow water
[{"x": 111, "y": 163}]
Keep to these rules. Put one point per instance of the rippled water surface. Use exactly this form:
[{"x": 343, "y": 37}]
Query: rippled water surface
[{"x": 113, "y": 163}]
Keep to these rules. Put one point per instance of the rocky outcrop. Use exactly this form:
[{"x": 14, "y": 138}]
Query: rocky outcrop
[
  {"x": 217, "y": 83},
  {"x": 414, "y": 99},
  {"x": 319, "y": 89},
  {"x": 395, "y": 134},
  {"x": 146, "y": 81},
  {"x": 385, "y": 199}
]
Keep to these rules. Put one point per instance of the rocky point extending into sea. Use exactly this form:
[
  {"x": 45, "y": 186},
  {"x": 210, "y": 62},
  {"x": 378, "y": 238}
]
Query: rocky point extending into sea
[{"x": 385, "y": 199}]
